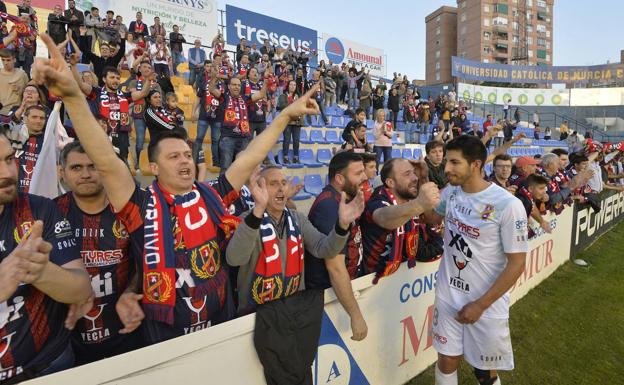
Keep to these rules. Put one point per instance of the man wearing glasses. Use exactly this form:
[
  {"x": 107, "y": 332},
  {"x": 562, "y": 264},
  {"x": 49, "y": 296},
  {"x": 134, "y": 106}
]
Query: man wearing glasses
[{"x": 502, "y": 172}]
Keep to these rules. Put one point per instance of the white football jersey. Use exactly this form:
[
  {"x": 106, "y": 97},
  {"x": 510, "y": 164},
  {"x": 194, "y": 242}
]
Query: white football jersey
[{"x": 479, "y": 230}]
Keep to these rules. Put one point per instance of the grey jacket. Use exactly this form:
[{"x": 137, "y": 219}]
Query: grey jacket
[{"x": 244, "y": 248}]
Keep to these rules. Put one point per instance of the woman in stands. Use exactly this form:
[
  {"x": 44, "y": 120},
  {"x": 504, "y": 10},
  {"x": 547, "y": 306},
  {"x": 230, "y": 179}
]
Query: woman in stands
[
  {"x": 564, "y": 130},
  {"x": 382, "y": 131},
  {"x": 294, "y": 127},
  {"x": 31, "y": 96},
  {"x": 157, "y": 119}
]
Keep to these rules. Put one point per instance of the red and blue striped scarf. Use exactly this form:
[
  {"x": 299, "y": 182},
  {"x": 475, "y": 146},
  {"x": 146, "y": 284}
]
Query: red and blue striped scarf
[
  {"x": 269, "y": 281},
  {"x": 200, "y": 216}
]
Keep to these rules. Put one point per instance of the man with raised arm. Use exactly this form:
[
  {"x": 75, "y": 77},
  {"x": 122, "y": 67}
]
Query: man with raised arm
[{"x": 181, "y": 224}]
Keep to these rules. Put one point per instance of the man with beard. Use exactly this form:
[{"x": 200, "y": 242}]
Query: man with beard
[
  {"x": 40, "y": 272},
  {"x": 105, "y": 248},
  {"x": 233, "y": 114},
  {"x": 114, "y": 106},
  {"x": 390, "y": 220},
  {"x": 485, "y": 245},
  {"x": 347, "y": 176},
  {"x": 28, "y": 141},
  {"x": 181, "y": 224},
  {"x": 269, "y": 247}
]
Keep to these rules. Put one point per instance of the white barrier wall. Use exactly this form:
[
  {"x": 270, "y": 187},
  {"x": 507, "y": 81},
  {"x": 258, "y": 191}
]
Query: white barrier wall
[{"x": 398, "y": 311}]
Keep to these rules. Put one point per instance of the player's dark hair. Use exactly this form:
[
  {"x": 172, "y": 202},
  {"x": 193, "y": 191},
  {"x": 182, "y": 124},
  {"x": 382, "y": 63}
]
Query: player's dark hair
[{"x": 471, "y": 147}]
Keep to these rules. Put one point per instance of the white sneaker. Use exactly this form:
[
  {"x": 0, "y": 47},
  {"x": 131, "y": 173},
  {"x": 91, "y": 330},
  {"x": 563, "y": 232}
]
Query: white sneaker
[{"x": 581, "y": 262}]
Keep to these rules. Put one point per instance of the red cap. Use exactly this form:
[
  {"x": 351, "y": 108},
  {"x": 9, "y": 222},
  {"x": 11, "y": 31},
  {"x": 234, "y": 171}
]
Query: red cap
[{"x": 526, "y": 161}]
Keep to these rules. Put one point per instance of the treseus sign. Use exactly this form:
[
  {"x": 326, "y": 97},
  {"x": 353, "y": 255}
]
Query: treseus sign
[
  {"x": 588, "y": 225},
  {"x": 256, "y": 28}
]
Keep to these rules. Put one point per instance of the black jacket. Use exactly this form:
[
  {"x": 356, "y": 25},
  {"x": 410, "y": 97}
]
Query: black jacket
[
  {"x": 393, "y": 102},
  {"x": 100, "y": 63}
]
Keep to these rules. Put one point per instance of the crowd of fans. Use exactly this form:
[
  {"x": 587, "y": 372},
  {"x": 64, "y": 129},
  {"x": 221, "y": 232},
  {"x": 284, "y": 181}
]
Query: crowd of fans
[{"x": 110, "y": 267}]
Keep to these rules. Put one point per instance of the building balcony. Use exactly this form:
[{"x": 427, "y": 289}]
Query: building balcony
[{"x": 500, "y": 27}]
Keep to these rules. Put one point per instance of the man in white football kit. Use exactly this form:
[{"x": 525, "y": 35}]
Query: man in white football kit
[{"x": 485, "y": 246}]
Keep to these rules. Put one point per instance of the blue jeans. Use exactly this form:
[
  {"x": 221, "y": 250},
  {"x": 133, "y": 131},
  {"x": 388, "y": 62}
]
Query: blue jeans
[
  {"x": 352, "y": 94},
  {"x": 385, "y": 151},
  {"x": 177, "y": 59},
  {"x": 139, "y": 130},
  {"x": 193, "y": 73},
  {"x": 412, "y": 131},
  {"x": 215, "y": 134},
  {"x": 228, "y": 148},
  {"x": 294, "y": 132}
]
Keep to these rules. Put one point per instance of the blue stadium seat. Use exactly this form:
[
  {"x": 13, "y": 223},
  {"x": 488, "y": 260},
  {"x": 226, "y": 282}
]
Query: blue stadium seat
[
  {"x": 401, "y": 126},
  {"x": 417, "y": 153},
  {"x": 303, "y": 138},
  {"x": 271, "y": 158},
  {"x": 301, "y": 195},
  {"x": 407, "y": 153},
  {"x": 280, "y": 158},
  {"x": 396, "y": 153},
  {"x": 370, "y": 123},
  {"x": 331, "y": 136},
  {"x": 316, "y": 136},
  {"x": 323, "y": 155},
  {"x": 370, "y": 138},
  {"x": 335, "y": 121},
  {"x": 316, "y": 121},
  {"x": 306, "y": 157},
  {"x": 313, "y": 184}
]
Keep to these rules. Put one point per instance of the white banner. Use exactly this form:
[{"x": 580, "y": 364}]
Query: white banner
[
  {"x": 338, "y": 50},
  {"x": 197, "y": 19},
  {"x": 597, "y": 96}
]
